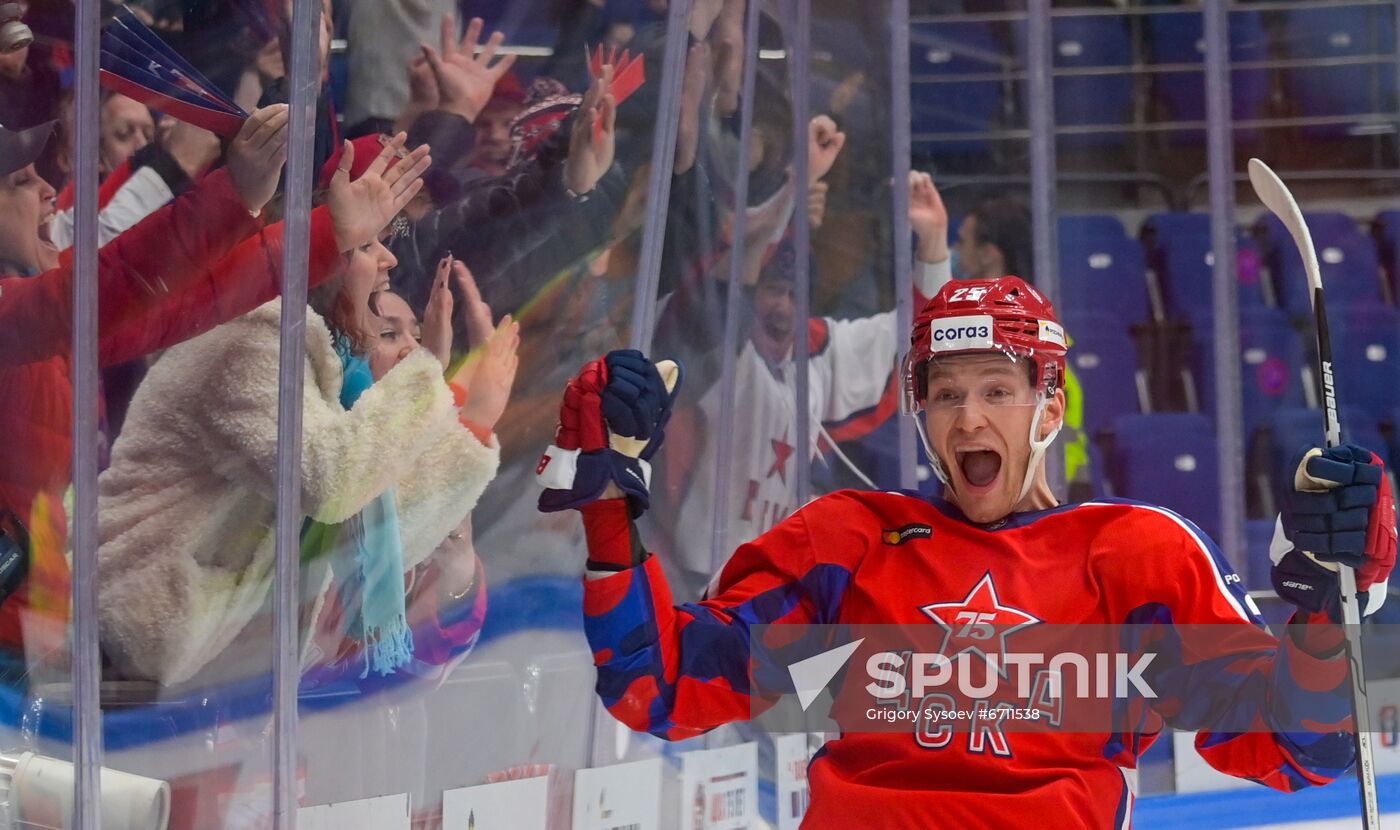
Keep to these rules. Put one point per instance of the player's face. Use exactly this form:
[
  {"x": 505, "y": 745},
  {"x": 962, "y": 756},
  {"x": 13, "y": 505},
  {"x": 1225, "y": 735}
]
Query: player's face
[{"x": 979, "y": 411}]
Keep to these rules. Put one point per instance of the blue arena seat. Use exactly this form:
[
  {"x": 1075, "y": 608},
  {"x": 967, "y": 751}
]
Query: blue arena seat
[
  {"x": 1347, "y": 258},
  {"x": 972, "y": 108},
  {"x": 1271, "y": 364},
  {"x": 1084, "y": 42},
  {"x": 957, "y": 48},
  {"x": 1179, "y": 39},
  {"x": 1327, "y": 227},
  {"x": 1101, "y": 269},
  {"x": 1366, "y": 354},
  {"x": 1333, "y": 32},
  {"x": 1104, "y": 359},
  {"x": 1178, "y": 248},
  {"x": 1385, "y": 228},
  {"x": 1170, "y": 460},
  {"x": 1093, "y": 225},
  {"x": 1161, "y": 230},
  {"x": 946, "y": 50},
  {"x": 1092, "y": 99}
]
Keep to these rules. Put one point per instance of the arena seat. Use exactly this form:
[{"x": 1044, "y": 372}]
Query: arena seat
[
  {"x": 1347, "y": 259},
  {"x": 1334, "y": 32},
  {"x": 1171, "y": 460},
  {"x": 1162, "y": 230},
  {"x": 1271, "y": 363},
  {"x": 1179, "y": 39},
  {"x": 1085, "y": 42},
  {"x": 1102, "y": 269},
  {"x": 1178, "y": 248},
  {"x": 1385, "y": 229},
  {"x": 946, "y": 50},
  {"x": 1366, "y": 355},
  {"x": 1104, "y": 359}
]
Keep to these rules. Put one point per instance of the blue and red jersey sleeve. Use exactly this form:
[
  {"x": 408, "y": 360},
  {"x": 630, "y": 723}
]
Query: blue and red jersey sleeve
[
  {"x": 679, "y": 670},
  {"x": 1272, "y": 710}
]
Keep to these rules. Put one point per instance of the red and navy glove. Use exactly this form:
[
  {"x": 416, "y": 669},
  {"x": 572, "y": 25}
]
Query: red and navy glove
[
  {"x": 611, "y": 422},
  {"x": 1340, "y": 511}
]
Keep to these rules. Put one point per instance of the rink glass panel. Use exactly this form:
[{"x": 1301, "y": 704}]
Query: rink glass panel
[
  {"x": 510, "y": 697},
  {"x": 187, "y": 507},
  {"x": 518, "y": 702},
  {"x": 36, "y": 474}
]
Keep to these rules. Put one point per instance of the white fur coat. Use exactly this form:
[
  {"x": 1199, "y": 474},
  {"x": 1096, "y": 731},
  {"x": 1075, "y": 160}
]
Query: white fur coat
[{"x": 188, "y": 504}]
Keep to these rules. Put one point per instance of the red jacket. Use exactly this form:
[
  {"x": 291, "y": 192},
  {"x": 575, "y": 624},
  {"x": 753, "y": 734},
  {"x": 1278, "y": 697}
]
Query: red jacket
[{"x": 198, "y": 261}]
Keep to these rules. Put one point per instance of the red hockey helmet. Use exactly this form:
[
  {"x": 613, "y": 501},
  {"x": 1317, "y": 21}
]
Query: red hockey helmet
[{"x": 1004, "y": 314}]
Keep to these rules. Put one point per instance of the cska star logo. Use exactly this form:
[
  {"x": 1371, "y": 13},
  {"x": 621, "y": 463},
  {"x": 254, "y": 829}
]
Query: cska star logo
[
  {"x": 782, "y": 451},
  {"x": 979, "y": 623}
]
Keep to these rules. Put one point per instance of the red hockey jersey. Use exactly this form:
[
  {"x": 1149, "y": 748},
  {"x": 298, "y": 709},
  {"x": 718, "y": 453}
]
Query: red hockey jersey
[{"x": 677, "y": 671}]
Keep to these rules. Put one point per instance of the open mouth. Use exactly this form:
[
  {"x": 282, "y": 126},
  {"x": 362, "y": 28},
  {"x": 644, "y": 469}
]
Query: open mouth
[
  {"x": 980, "y": 467},
  {"x": 44, "y": 232}
]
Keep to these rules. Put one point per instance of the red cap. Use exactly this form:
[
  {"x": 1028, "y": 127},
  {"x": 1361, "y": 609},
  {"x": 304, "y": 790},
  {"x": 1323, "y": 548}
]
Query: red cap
[
  {"x": 1004, "y": 315},
  {"x": 508, "y": 90},
  {"x": 367, "y": 149}
]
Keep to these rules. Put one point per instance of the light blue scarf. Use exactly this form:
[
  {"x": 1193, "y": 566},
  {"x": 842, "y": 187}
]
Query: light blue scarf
[{"x": 367, "y": 557}]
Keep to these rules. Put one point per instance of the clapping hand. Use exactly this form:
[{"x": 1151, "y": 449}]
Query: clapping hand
[
  {"x": 488, "y": 390},
  {"x": 465, "y": 79},
  {"x": 437, "y": 317},
  {"x": 360, "y": 209}
]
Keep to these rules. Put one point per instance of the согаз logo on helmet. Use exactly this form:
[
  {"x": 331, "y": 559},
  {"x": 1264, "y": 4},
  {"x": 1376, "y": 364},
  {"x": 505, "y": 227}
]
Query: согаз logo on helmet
[{"x": 962, "y": 333}]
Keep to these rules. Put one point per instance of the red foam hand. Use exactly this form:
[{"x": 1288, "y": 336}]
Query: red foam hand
[
  {"x": 581, "y": 425},
  {"x": 629, "y": 71},
  {"x": 1380, "y": 537}
]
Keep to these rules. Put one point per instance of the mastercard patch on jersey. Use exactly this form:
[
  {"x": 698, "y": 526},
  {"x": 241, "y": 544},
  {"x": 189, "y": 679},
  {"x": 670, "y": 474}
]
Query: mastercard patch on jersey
[{"x": 900, "y": 535}]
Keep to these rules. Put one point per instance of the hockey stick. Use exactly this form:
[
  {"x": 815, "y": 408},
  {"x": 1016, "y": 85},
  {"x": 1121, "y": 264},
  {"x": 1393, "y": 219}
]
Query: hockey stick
[{"x": 1276, "y": 197}]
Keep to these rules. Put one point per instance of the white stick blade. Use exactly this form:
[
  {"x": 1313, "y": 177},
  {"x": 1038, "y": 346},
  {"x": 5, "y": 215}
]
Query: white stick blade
[{"x": 1278, "y": 199}]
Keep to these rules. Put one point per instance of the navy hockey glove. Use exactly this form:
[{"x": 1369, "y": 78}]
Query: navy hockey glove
[
  {"x": 611, "y": 422},
  {"x": 1340, "y": 510}
]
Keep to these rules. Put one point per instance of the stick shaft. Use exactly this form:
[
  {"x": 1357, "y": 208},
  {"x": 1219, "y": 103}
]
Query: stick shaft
[
  {"x": 1351, "y": 613},
  {"x": 1275, "y": 194}
]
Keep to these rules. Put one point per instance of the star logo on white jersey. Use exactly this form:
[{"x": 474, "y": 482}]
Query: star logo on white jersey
[
  {"x": 978, "y": 623},
  {"x": 782, "y": 451}
]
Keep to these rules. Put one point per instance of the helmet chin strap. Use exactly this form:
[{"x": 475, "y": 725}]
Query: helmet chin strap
[
  {"x": 928, "y": 448},
  {"x": 1038, "y": 448}
]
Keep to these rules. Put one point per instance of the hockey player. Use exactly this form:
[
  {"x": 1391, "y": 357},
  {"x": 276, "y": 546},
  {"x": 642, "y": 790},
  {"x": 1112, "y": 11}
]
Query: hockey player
[{"x": 983, "y": 379}]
